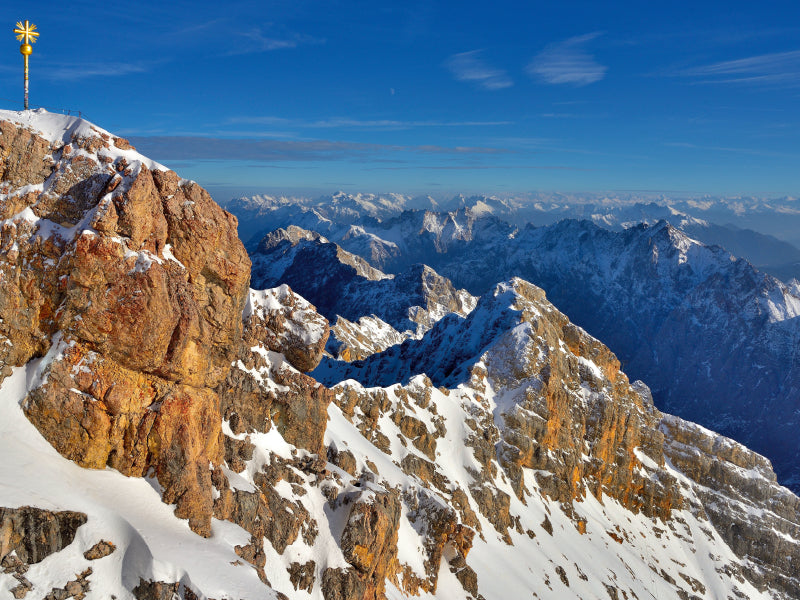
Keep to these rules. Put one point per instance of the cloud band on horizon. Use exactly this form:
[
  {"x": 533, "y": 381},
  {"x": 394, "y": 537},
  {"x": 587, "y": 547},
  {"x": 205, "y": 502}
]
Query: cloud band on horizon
[{"x": 262, "y": 150}]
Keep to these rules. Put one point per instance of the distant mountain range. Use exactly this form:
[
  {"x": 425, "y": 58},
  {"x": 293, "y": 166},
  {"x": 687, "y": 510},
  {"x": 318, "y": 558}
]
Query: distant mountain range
[
  {"x": 746, "y": 227},
  {"x": 716, "y": 339}
]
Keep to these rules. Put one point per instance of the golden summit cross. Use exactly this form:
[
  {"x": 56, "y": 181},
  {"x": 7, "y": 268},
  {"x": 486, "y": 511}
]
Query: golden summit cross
[
  {"x": 27, "y": 31},
  {"x": 27, "y": 34}
]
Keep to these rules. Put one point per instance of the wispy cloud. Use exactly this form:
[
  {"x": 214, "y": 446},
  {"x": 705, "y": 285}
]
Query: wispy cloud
[
  {"x": 457, "y": 150},
  {"x": 471, "y": 67},
  {"x": 775, "y": 69},
  {"x": 74, "y": 72},
  {"x": 750, "y": 151},
  {"x": 193, "y": 29},
  {"x": 566, "y": 115},
  {"x": 255, "y": 40},
  {"x": 395, "y": 124},
  {"x": 482, "y": 167},
  {"x": 567, "y": 62},
  {"x": 208, "y": 148}
]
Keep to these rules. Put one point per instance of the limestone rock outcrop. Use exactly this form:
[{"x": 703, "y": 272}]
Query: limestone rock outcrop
[
  {"x": 261, "y": 389},
  {"x": 357, "y": 340},
  {"x": 369, "y": 540},
  {"x": 28, "y": 535},
  {"x": 568, "y": 413},
  {"x": 131, "y": 283},
  {"x": 549, "y": 414},
  {"x": 284, "y": 322}
]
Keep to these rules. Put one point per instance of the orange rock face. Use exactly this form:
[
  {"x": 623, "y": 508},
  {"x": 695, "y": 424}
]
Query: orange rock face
[
  {"x": 145, "y": 279},
  {"x": 98, "y": 413},
  {"x": 369, "y": 541},
  {"x": 562, "y": 424}
]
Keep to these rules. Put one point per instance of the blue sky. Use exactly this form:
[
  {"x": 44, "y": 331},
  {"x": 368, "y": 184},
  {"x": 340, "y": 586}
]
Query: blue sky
[{"x": 433, "y": 97}]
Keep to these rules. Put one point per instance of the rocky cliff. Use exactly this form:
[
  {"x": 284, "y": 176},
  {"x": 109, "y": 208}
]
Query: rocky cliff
[
  {"x": 131, "y": 283},
  {"x": 149, "y": 396}
]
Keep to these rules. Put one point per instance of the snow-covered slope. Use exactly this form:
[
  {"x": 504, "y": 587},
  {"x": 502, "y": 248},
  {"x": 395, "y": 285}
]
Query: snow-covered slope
[
  {"x": 353, "y": 340},
  {"x": 151, "y": 544},
  {"x": 62, "y": 129},
  {"x": 419, "y": 462},
  {"x": 522, "y": 406}
]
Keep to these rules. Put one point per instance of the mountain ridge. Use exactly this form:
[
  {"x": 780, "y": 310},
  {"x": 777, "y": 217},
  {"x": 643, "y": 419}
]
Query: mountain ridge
[
  {"x": 691, "y": 320},
  {"x": 154, "y": 407}
]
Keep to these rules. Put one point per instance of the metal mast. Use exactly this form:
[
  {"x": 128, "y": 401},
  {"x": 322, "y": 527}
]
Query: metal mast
[{"x": 27, "y": 34}]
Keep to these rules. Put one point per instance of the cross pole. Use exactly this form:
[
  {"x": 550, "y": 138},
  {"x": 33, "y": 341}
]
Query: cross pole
[{"x": 27, "y": 34}]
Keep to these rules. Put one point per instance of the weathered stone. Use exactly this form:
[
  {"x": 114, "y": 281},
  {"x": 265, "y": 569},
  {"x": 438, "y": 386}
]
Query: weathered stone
[
  {"x": 302, "y": 575},
  {"x": 12, "y": 564},
  {"x": 417, "y": 432},
  {"x": 494, "y": 504},
  {"x": 731, "y": 482},
  {"x": 100, "y": 550},
  {"x": 110, "y": 415},
  {"x": 369, "y": 539},
  {"x": 300, "y": 410},
  {"x": 266, "y": 513},
  {"x": 425, "y": 470},
  {"x": 343, "y": 459},
  {"x": 301, "y": 413},
  {"x": 148, "y": 303},
  {"x": 76, "y": 588},
  {"x": 440, "y": 530},
  {"x": 34, "y": 533},
  {"x": 547, "y": 428},
  {"x": 342, "y": 584},
  {"x": 466, "y": 575},
  {"x": 159, "y": 590},
  {"x": 237, "y": 453},
  {"x": 282, "y": 321},
  {"x": 156, "y": 590},
  {"x": 27, "y": 160},
  {"x": 21, "y": 590}
]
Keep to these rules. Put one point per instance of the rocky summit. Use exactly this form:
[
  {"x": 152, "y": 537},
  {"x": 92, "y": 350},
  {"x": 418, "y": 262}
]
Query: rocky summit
[{"x": 167, "y": 431}]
